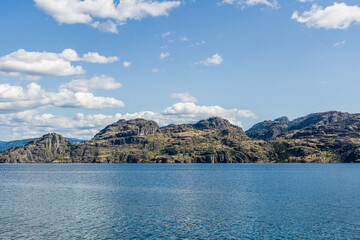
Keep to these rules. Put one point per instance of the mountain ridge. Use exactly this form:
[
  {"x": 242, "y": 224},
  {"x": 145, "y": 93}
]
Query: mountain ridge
[
  {"x": 319, "y": 137},
  {"x": 5, "y": 145}
]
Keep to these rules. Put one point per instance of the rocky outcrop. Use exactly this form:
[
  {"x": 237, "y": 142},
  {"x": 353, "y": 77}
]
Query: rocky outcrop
[
  {"x": 51, "y": 147},
  {"x": 318, "y": 119},
  {"x": 280, "y": 127},
  {"x": 320, "y": 137},
  {"x": 124, "y": 128},
  {"x": 211, "y": 140},
  {"x": 269, "y": 129},
  {"x": 213, "y": 123}
]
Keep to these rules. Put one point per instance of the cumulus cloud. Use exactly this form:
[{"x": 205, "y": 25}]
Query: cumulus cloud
[
  {"x": 71, "y": 95},
  {"x": 216, "y": 59},
  {"x": 32, "y": 124},
  {"x": 184, "y": 97},
  {"x": 336, "y": 16},
  {"x": 39, "y": 63},
  {"x": 48, "y": 63},
  {"x": 29, "y": 124},
  {"x": 105, "y": 15},
  {"x": 97, "y": 82},
  {"x": 164, "y": 55},
  {"x": 94, "y": 57},
  {"x": 270, "y": 3},
  {"x": 126, "y": 64}
]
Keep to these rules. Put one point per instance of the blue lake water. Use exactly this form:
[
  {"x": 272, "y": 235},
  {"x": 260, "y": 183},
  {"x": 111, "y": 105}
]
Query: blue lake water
[{"x": 170, "y": 201}]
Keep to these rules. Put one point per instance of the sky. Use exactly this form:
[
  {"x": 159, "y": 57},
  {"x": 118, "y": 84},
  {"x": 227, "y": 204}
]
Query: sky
[{"x": 75, "y": 66}]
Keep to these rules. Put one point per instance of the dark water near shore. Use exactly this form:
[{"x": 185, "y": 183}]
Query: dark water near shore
[{"x": 203, "y": 201}]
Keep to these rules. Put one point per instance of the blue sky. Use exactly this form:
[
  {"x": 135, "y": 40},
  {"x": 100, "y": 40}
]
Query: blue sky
[{"x": 72, "y": 66}]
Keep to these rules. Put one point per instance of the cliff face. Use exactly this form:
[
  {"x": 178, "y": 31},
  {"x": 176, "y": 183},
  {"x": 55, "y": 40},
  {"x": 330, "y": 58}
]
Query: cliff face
[
  {"x": 320, "y": 137},
  {"x": 51, "y": 147}
]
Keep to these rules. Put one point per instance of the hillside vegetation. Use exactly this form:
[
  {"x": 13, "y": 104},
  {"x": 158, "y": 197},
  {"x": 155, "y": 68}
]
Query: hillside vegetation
[{"x": 320, "y": 137}]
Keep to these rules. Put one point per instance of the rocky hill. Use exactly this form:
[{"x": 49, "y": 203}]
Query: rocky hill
[
  {"x": 19, "y": 143},
  {"x": 51, "y": 147},
  {"x": 211, "y": 141},
  {"x": 320, "y": 137}
]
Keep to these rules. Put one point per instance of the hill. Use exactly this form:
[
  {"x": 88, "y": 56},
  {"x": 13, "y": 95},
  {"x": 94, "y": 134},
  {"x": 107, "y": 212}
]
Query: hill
[
  {"x": 19, "y": 143},
  {"x": 319, "y": 137}
]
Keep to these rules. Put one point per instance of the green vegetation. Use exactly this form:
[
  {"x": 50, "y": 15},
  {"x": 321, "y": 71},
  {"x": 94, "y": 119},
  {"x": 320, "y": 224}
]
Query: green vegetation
[{"x": 322, "y": 137}]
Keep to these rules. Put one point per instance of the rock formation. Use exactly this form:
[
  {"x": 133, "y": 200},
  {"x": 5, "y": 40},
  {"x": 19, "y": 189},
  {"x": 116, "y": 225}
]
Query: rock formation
[
  {"x": 51, "y": 147},
  {"x": 320, "y": 137}
]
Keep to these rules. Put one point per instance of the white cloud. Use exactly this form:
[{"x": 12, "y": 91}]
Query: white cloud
[
  {"x": 10, "y": 74},
  {"x": 166, "y": 34},
  {"x": 48, "y": 63},
  {"x": 198, "y": 43},
  {"x": 164, "y": 55},
  {"x": 184, "y": 97},
  {"x": 94, "y": 57},
  {"x": 337, "y": 16},
  {"x": 270, "y": 3},
  {"x": 126, "y": 64},
  {"x": 97, "y": 82},
  {"x": 32, "y": 124},
  {"x": 216, "y": 59},
  {"x": 340, "y": 44},
  {"x": 155, "y": 70},
  {"x": 105, "y": 15},
  {"x": 39, "y": 63},
  {"x": 108, "y": 26},
  {"x": 184, "y": 39},
  {"x": 30, "y": 77},
  {"x": 187, "y": 111},
  {"x": 71, "y": 95},
  {"x": 303, "y": 1}
]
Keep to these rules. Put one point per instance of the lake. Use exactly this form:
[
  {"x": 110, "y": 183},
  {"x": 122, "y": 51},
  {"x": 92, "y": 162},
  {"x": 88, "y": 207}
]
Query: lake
[{"x": 179, "y": 201}]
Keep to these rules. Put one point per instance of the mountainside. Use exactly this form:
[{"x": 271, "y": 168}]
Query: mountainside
[
  {"x": 139, "y": 140},
  {"x": 51, "y": 147},
  {"x": 319, "y": 137},
  {"x": 19, "y": 143}
]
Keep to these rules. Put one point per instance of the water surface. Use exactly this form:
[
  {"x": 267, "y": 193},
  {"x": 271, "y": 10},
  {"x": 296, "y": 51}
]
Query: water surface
[{"x": 175, "y": 201}]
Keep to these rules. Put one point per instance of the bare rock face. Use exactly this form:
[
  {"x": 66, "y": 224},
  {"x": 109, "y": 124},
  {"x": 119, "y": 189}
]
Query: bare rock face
[
  {"x": 318, "y": 119},
  {"x": 213, "y": 122},
  {"x": 124, "y": 128},
  {"x": 51, "y": 147},
  {"x": 268, "y": 129}
]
